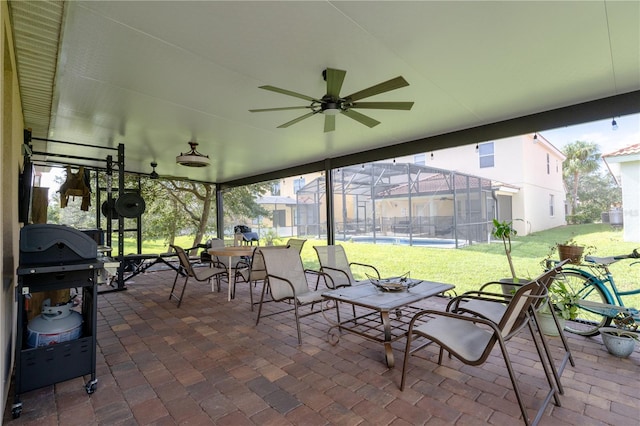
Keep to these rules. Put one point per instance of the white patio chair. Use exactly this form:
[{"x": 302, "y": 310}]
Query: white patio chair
[
  {"x": 254, "y": 271},
  {"x": 335, "y": 266},
  {"x": 287, "y": 282}
]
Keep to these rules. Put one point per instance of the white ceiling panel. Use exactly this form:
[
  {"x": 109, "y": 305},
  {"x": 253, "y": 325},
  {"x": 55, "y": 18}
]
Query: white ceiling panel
[{"x": 155, "y": 75}]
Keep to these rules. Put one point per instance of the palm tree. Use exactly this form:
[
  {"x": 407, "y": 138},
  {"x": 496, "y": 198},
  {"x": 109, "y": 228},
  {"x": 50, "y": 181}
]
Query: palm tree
[{"x": 582, "y": 158}]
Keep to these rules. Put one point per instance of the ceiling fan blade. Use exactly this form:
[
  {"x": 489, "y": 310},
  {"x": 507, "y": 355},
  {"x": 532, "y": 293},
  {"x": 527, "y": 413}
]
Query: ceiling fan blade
[
  {"x": 289, "y": 93},
  {"x": 278, "y": 109},
  {"x": 329, "y": 123},
  {"x": 406, "y": 106},
  {"x": 394, "y": 83},
  {"x": 367, "y": 121},
  {"x": 294, "y": 121},
  {"x": 334, "y": 78}
]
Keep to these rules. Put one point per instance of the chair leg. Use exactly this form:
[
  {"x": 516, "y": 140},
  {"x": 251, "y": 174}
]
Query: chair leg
[
  {"x": 407, "y": 354},
  {"x": 565, "y": 343},
  {"x": 264, "y": 288},
  {"x": 251, "y": 295},
  {"x": 556, "y": 373},
  {"x": 295, "y": 307},
  {"x": 512, "y": 376},
  {"x": 175, "y": 280}
]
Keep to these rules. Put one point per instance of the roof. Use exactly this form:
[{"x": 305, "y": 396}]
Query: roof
[{"x": 627, "y": 150}]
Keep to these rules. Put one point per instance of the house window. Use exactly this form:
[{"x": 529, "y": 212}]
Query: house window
[
  {"x": 419, "y": 159},
  {"x": 275, "y": 188},
  {"x": 298, "y": 184},
  {"x": 551, "y": 212},
  {"x": 548, "y": 164},
  {"x": 485, "y": 153}
]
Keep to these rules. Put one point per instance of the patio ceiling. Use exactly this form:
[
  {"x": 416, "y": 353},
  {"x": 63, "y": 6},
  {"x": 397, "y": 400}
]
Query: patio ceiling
[{"x": 155, "y": 75}]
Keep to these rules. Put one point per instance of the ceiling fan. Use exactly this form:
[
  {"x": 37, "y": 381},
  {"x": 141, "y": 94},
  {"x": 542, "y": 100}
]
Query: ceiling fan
[{"x": 332, "y": 104}]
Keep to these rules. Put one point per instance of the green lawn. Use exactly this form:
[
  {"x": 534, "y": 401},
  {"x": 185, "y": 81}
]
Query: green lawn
[{"x": 469, "y": 267}]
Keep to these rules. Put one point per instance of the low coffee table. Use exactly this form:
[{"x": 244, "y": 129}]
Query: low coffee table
[{"x": 380, "y": 329}]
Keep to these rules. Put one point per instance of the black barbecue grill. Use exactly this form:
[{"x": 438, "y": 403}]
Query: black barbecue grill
[
  {"x": 53, "y": 258},
  {"x": 247, "y": 236}
]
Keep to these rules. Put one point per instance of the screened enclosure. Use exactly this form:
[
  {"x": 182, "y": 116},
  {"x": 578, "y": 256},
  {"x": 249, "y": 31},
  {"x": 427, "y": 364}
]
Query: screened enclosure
[{"x": 388, "y": 202}]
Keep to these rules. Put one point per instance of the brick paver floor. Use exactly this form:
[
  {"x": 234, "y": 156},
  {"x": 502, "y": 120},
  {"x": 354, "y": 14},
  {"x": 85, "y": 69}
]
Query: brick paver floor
[{"x": 208, "y": 363}]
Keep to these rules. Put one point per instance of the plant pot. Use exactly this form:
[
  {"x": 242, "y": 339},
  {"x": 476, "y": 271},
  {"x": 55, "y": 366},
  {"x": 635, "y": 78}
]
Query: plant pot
[
  {"x": 571, "y": 253},
  {"x": 510, "y": 286},
  {"x": 618, "y": 342},
  {"x": 548, "y": 325}
]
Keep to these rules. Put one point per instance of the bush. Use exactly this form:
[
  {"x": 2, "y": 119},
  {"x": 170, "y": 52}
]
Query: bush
[{"x": 579, "y": 219}]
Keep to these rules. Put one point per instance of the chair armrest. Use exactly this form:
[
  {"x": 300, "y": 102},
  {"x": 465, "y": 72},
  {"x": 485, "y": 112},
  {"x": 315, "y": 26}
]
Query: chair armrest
[
  {"x": 436, "y": 313},
  {"x": 346, "y": 276},
  {"x": 454, "y": 303},
  {"x": 279, "y": 278},
  {"x": 324, "y": 275},
  {"x": 495, "y": 283},
  {"x": 366, "y": 266}
]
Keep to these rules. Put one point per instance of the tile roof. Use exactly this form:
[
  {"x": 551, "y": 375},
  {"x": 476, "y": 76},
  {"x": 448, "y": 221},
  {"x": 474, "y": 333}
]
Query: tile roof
[{"x": 628, "y": 150}]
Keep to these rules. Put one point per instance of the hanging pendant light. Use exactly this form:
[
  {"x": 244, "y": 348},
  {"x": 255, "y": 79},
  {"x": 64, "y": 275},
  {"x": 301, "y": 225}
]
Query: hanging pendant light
[
  {"x": 154, "y": 174},
  {"x": 193, "y": 158}
]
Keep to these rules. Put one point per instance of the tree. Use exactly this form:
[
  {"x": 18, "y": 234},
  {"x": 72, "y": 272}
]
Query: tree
[
  {"x": 597, "y": 192},
  {"x": 582, "y": 158},
  {"x": 192, "y": 206}
]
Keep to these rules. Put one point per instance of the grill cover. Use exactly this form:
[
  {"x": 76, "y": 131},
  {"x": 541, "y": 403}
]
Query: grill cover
[
  {"x": 45, "y": 244},
  {"x": 250, "y": 236}
]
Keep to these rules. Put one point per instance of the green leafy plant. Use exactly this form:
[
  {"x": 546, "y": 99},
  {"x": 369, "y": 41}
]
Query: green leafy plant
[
  {"x": 504, "y": 231},
  {"x": 563, "y": 300},
  {"x": 622, "y": 333}
]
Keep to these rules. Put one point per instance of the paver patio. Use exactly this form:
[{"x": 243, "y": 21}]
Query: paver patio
[{"x": 207, "y": 363}]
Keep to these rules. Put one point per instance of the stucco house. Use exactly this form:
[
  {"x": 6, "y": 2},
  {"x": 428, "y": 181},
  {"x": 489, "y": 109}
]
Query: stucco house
[
  {"x": 624, "y": 165},
  {"x": 526, "y": 172}
]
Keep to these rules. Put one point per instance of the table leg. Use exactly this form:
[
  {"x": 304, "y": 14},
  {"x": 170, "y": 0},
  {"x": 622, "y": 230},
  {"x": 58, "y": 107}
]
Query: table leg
[{"x": 388, "y": 351}]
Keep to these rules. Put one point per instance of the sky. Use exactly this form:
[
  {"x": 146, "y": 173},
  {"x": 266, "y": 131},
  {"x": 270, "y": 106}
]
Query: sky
[{"x": 600, "y": 132}]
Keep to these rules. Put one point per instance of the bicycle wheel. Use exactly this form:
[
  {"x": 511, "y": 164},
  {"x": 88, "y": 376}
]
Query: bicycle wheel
[{"x": 587, "y": 322}]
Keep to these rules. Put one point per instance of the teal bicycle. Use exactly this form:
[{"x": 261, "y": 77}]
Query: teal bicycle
[{"x": 598, "y": 298}]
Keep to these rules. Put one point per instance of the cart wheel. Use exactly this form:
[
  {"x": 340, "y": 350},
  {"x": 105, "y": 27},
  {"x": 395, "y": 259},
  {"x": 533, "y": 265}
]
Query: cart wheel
[
  {"x": 91, "y": 386},
  {"x": 16, "y": 410}
]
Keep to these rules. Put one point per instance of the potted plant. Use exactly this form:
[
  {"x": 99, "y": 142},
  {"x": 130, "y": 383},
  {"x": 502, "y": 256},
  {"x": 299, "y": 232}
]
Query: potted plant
[
  {"x": 570, "y": 250},
  {"x": 567, "y": 250},
  {"x": 564, "y": 304},
  {"x": 620, "y": 343},
  {"x": 504, "y": 231}
]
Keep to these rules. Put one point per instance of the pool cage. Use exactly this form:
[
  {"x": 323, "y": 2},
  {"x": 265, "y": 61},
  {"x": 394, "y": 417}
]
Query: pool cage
[{"x": 388, "y": 202}]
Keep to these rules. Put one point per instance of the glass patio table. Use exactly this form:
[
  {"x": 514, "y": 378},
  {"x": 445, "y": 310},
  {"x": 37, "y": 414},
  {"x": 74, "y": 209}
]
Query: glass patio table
[{"x": 382, "y": 328}]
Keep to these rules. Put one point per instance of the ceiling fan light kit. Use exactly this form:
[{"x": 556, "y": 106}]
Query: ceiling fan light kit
[
  {"x": 193, "y": 158},
  {"x": 332, "y": 104}
]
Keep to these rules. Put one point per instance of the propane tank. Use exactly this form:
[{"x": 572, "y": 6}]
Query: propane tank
[{"x": 56, "y": 324}]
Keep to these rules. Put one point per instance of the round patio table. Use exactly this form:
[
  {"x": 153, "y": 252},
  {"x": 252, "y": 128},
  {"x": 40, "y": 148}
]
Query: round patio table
[{"x": 231, "y": 252}]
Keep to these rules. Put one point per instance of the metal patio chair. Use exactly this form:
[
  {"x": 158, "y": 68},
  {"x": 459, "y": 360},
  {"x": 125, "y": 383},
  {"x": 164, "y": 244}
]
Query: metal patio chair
[
  {"x": 336, "y": 267},
  {"x": 492, "y": 306},
  {"x": 471, "y": 339},
  {"x": 287, "y": 282},
  {"x": 296, "y": 243},
  {"x": 199, "y": 274},
  {"x": 254, "y": 271}
]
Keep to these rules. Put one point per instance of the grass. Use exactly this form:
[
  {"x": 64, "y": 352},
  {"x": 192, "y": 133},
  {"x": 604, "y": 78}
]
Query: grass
[{"x": 471, "y": 266}]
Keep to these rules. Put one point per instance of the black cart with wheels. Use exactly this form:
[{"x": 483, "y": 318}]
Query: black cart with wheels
[{"x": 54, "y": 257}]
